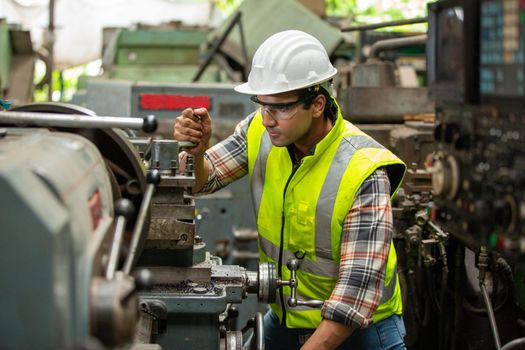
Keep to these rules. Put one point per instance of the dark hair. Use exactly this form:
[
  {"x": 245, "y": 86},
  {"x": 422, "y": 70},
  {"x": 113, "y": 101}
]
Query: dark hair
[{"x": 330, "y": 108}]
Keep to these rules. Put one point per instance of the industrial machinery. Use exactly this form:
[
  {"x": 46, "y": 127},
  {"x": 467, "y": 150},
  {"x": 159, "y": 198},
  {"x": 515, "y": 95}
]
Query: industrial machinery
[
  {"x": 99, "y": 241},
  {"x": 78, "y": 259},
  {"x": 461, "y": 244}
]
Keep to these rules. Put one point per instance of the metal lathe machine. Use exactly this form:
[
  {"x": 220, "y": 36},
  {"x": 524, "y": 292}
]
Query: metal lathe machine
[{"x": 98, "y": 243}]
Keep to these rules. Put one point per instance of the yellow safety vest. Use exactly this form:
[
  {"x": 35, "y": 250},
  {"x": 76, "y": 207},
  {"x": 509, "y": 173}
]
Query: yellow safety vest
[{"x": 306, "y": 209}]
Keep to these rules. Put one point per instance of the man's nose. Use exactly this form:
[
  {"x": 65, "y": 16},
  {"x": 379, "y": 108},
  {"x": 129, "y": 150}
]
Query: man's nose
[{"x": 268, "y": 121}]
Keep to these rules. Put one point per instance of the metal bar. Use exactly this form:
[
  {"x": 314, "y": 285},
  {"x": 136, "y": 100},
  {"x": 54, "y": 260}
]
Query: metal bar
[
  {"x": 216, "y": 47},
  {"x": 385, "y": 24},
  {"x": 115, "y": 247},
  {"x": 69, "y": 120},
  {"x": 515, "y": 344},
  {"x": 244, "y": 51},
  {"x": 137, "y": 237},
  {"x": 50, "y": 46},
  {"x": 315, "y": 304},
  {"x": 259, "y": 331}
]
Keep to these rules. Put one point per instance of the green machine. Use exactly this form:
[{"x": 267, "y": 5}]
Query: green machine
[
  {"x": 17, "y": 63},
  {"x": 5, "y": 55},
  {"x": 166, "y": 53}
]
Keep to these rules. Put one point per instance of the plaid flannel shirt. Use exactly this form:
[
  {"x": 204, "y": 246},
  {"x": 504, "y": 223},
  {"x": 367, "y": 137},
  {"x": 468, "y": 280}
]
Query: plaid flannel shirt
[{"x": 366, "y": 236}]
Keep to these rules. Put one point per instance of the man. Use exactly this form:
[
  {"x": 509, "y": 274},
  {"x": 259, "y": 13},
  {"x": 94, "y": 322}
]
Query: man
[{"x": 321, "y": 191}]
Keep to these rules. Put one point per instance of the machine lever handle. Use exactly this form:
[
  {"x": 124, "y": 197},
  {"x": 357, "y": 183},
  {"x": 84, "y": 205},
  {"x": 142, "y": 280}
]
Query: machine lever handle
[
  {"x": 123, "y": 211},
  {"x": 186, "y": 144},
  {"x": 293, "y": 266},
  {"x": 148, "y": 124},
  {"x": 256, "y": 342},
  {"x": 153, "y": 178}
]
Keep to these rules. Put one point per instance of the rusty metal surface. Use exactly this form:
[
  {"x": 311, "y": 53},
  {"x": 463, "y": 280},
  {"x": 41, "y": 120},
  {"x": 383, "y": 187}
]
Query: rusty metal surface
[
  {"x": 417, "y": 181},
  {"x": 172, "y": 220},
  {"x": 413, "y": 142},
  {"x": 374, "y": 73},
  {"x": 170, "y": 234},
  {"x": 181, "y": 212},
  {"x": 383, "y": 104},
  {"x": 113, "y": 311},
  {"x": 200, "y": 273},
  {"x": 380, "y": 132},
  {"x": 178, "y": 181},
  {"x": 21, "y": 88}
]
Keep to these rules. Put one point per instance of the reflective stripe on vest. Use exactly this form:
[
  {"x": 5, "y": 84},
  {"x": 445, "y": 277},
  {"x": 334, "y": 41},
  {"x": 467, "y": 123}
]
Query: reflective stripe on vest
[
  {"x": 257, "y": 180},
  {"x": 331, "y": 185},
  {"x": 321, "y": 267}
]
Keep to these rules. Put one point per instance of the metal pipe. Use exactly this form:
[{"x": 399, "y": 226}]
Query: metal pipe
[
  {"x": 514, "y": 344},
  {"x": 50, "y": 43},
  {"x": 490, "y": 312},
  {"x": 245, "y": 68},
  {"x": 444, "y": 291},
  {"x": 216, "y": 47},
  {"x": 388, "y": 44},
  {"x": 385, "y": 24},
  {"x": 483, "y": 260},
  {"x": 76, "y": 120}
]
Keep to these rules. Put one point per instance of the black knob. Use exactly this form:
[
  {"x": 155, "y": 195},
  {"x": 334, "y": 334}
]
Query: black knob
[
  {"x": 150, "y": 124},
  {"x": 143, "y": 279},
  {"x": 233, "y": 312},
  {"x": 153, "y": 177},
  {"x": 451, "y": 133},
  {"x": 124, "y": 207},
  {"x": 438, "y": 132}
]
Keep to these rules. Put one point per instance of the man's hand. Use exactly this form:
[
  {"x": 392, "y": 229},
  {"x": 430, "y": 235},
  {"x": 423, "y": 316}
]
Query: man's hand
[
  {"x": 193, "y": 125},
  {"x": 328, "y": 336}
]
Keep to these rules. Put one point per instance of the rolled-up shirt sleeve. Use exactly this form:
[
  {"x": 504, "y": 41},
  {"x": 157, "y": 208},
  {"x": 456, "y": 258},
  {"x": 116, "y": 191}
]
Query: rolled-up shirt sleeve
[{"x": 365, "y": 244}]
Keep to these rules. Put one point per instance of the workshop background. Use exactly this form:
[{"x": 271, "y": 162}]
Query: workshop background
[{"x": 101, "y": 245}]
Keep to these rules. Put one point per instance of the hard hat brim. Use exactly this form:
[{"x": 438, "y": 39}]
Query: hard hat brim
[{"x": 245, "y": 88}]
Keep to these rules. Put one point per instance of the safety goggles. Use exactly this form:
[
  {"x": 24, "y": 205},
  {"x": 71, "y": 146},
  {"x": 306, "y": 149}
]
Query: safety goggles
[{"x": 281, "y": 111}]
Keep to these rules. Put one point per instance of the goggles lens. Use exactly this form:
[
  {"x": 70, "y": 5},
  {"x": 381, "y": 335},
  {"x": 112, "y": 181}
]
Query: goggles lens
[{"x": 281, "y": 111}]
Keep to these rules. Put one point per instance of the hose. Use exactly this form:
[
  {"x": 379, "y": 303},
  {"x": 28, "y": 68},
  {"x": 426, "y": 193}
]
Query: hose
[
  {"x": 515, "y": 344},
  {"x": 483, "y": 265},
  {"x": 444, "y": 288}
]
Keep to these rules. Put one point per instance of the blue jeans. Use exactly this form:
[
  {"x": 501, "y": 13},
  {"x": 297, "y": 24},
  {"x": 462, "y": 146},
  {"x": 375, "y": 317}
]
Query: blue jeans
[{"x": 386, "y": 334}]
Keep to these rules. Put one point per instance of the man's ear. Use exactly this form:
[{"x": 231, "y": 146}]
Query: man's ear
[{"x": 318, "y": 106}]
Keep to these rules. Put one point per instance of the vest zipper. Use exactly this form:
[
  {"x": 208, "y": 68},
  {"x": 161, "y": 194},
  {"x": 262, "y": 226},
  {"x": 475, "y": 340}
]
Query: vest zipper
[{"x": 280, "y": 262}]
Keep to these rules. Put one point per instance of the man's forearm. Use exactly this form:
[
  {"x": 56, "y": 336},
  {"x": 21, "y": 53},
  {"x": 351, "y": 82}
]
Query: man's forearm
[
  {"x": 329, "y": 335},
  {"x": 201, "y": 171}
]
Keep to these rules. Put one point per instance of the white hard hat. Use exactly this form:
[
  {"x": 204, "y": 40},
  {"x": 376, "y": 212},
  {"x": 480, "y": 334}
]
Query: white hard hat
[{"x": 287, "y": 61}]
